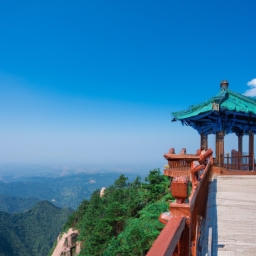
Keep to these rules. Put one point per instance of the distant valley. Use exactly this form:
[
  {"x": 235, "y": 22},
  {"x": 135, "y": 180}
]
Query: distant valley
[
  {"x": 63, "y": 191},
  {"x": 33, "y": 210}
]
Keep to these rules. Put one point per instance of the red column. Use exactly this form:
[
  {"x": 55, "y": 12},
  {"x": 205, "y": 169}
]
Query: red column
[
  {"x": 220, "y": 148},
  {"x": 204, "y": 141},
  {"x": 251, "y": 151},
  {"x": 240, "y": 150}
]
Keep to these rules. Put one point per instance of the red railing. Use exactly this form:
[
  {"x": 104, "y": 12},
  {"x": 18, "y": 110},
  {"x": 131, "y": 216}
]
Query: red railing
[
  {"x": 238, "y": 162},
  {"x": 166, "y": 242},
  {"x": 179, "y": 235}
]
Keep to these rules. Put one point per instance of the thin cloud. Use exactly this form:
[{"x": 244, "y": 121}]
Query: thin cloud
[{"x": 252, "y": 91}]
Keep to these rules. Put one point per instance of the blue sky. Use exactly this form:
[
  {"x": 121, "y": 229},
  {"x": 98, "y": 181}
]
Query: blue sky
[{"x": 96, "y": 81}]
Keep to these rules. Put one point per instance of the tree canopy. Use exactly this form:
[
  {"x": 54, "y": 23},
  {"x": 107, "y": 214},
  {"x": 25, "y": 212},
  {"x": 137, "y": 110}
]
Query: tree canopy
[{"x": 125, "y": 220}]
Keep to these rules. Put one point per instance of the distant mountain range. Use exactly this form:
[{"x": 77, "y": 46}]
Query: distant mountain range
[
  {"x": 65, "y": 191},
  {"x": 13, "y": 204},
  {"x": 33, "y": 232},
  {"x": 30, "y": 226}
]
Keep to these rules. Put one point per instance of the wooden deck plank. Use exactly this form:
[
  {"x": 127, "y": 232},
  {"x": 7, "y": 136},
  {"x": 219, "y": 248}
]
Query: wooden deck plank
[{"x": 231, "y": 212}]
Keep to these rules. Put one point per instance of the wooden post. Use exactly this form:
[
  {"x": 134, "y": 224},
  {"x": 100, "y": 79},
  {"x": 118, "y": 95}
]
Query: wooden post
[
  {"x": 240, "y": 143},
  {"x": 204, "y": 141},
  {"x": 184, "y": 245},
  {"x": 251, "y": 151},
  {"x": 240, "y": 150},
  {"x": 220, "y": 148}
]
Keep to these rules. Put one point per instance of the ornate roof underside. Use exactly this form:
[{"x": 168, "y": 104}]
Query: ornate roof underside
[{"x": 228, "y": 111}]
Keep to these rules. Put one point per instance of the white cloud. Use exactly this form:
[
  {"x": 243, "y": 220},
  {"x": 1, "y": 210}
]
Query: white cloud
[
  {"x": 252, "y": 83},
  {"x": 252, "y": 91}
]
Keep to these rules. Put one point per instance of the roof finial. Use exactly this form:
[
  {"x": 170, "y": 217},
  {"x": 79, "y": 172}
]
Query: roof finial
[{"x": 224, "y": 85}]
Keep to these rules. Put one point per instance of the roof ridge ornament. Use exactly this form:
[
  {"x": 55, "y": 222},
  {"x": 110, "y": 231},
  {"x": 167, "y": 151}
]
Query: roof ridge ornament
[
  {"x": 224, "y": 85},
  {"x": 215, "y": 106}
]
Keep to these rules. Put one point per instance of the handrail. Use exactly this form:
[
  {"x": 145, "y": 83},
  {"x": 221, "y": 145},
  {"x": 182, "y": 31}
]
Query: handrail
[
  {"x": 167, "y": 240},
  {"x": 183, "y": 214},
  {"x": 195, "y": 189},
  {"x": 238, "y": 156},
  {"x": 238, "y": 162}
]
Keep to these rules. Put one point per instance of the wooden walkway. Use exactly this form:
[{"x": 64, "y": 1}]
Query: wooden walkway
[{"x": 230, "y": 224}]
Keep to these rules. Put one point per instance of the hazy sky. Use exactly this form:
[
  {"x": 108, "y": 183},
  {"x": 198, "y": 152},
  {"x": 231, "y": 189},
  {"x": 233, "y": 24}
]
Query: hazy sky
[{"x": 96, "y": 81}]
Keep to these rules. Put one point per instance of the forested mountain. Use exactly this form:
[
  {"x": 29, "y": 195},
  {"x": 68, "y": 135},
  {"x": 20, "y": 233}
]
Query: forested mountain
[
  {"x": 13, "y": 204},
  {"x": 125, "y": 220},
  {"x": 65, "y": 191},
  {"x": 33, "y": 232}
]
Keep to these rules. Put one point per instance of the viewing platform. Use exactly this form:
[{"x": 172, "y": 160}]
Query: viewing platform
[
  {"x": 216, "y": 218},
  {"x": 215, "y": 205},
  {"x": 230, "y": 225}
]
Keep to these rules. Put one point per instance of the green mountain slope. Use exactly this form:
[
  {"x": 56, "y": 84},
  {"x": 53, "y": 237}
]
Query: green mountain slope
[
  {"x": 13, "y": 204},
  {"x": 33, "y": 232},
  {"x": 125, "y": 220}
]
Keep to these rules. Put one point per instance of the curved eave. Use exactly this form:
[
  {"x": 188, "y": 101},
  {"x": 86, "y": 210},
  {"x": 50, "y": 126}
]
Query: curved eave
[
  {"x": 223, "y": 120},
  {"x": 225, "y": 100}
]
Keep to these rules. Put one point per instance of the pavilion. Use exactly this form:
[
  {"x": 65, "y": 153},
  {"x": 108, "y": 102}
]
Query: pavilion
[
  {"x": 207, "y": 220},
  {"x": 227, "y": 112}
]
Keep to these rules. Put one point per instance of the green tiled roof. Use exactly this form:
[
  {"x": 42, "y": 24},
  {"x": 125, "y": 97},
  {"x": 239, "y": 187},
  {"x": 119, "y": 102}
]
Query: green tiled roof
[
  {"x": 228, "y": 111},
  {"x": 226, "y": 99}
]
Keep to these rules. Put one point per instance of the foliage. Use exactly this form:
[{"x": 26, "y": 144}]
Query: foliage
[
  {"x": 121, "y": 181},
  {"x": 125, "y": 220},
  {"x": 77, "y": 215},
  {"x": 139, "y": 233},
  {"x": 52, "y": 249},
  {"x": 32, "y": 232},
  {"x": 157, "y": 184}
]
